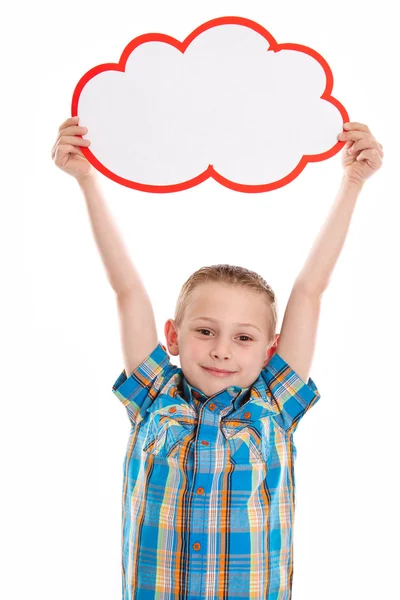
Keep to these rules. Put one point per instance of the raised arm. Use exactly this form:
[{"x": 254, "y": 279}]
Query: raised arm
[
  {"x": 136, "y": 317},
  {"x": 137, "y": 323},
  {"x": 361, "y": 157}
]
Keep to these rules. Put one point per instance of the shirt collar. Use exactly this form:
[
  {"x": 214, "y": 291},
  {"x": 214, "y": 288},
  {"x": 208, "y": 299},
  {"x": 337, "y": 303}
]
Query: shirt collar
[{"x": 234, "y": 392}]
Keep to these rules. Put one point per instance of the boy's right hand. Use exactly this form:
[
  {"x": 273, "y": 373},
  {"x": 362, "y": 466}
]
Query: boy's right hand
[{"x": 66, "y": 153}]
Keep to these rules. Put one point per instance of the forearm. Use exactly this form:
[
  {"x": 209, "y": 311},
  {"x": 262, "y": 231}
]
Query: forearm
[
  {"x": 318, "y": 268},
  {"x": 120, "y": 270}
]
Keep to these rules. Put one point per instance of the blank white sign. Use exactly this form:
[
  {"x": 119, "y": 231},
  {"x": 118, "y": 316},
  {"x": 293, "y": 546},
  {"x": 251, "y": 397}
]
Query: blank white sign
[{"x": 228, "y": 102}]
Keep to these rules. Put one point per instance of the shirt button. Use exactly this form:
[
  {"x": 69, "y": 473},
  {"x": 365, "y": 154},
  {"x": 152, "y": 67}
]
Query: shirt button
[
  {"x": 200, "y": 490},
  {"x": 196, "y": 546},
  {"x": 247, "y": 415},
  {"x": 204, "y": 442},
  {"x": 172, "y": 409},
  {"x": 212, "y": 406}
]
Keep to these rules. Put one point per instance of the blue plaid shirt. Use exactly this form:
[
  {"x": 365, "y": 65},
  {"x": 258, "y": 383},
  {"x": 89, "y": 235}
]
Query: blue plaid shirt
[{"x": 209, "y": 487}]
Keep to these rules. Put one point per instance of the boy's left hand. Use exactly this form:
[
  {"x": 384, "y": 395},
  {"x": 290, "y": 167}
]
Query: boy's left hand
[{"x": 365, "y": 156}]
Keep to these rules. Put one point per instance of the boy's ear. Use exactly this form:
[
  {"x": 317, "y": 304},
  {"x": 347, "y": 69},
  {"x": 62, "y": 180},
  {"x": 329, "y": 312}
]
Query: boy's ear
[
  {"x": 271, "y": 351},
  {"x": 171, "y": 337}
]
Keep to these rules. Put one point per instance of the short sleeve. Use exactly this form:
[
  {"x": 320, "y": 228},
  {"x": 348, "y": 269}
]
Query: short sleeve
[
  {"x": 139, "y": 390},
  {"x": 290, "y": 394}
]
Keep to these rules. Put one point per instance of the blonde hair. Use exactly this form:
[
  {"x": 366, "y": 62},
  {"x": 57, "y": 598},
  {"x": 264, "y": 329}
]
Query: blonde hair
[{"x": 231, "y": 275}]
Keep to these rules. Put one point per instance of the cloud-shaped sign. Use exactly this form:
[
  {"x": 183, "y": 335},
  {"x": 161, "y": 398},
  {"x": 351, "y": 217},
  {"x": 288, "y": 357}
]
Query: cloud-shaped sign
[{"x": 228, "y": 103}]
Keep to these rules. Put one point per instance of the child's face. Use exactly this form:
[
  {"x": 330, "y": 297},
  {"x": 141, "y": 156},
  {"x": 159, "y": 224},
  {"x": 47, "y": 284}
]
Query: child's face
[{"x": 221, "y": 344}]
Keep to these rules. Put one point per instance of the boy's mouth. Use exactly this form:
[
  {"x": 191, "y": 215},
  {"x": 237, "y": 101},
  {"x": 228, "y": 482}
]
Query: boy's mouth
[{"x": 218, "y": 372}]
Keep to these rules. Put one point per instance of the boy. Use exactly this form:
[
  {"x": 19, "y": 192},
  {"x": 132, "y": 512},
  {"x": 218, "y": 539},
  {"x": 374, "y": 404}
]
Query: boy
[{"x": 208, "y": 491}]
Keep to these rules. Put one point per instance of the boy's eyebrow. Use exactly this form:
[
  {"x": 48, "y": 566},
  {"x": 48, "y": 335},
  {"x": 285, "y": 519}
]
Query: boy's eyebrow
[{"x": 215, "y": 321}]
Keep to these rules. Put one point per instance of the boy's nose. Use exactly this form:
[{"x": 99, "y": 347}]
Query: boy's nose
[{"x": 222, "y": 353}]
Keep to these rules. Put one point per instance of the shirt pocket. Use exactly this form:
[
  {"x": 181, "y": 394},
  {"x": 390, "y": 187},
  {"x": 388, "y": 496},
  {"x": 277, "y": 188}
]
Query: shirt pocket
[
  {"x": 245, "y": 441},
  {"x": 169, "y": 429}
]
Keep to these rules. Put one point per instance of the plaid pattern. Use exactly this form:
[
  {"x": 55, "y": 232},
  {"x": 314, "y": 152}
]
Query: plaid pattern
[{"x": 208, "y": 487}]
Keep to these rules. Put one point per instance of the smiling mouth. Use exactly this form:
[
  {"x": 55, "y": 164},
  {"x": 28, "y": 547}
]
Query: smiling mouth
[{"x": 218, "y": 372}]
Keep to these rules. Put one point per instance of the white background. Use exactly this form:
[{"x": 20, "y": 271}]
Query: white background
[{"x": 63, "y": 433}]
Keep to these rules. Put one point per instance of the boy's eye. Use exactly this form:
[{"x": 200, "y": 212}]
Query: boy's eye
[{"x": 241, "y": 336}]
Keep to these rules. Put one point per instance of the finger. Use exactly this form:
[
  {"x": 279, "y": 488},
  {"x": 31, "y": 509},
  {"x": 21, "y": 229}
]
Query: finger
[
  {"x": 73, "y": 130},
  {"x": 371, "y": 156},
  {"x": 351, "y": 135},
  {"x": 70, "y": 142},
  {"x": 72, "y": 139},
  {"x": 353, "y": 125},
  {"x": 64, "y": 149},
  {"x": 70, "y": 121},
  {"x": 364, "y": 144}
]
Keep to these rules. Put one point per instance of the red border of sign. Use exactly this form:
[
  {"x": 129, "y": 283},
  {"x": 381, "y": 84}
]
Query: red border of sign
[{"x": 210, "y": 172}]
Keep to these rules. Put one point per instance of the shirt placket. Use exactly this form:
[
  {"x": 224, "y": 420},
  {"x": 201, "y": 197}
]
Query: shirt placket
[{"x": 203, "y": 472}]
